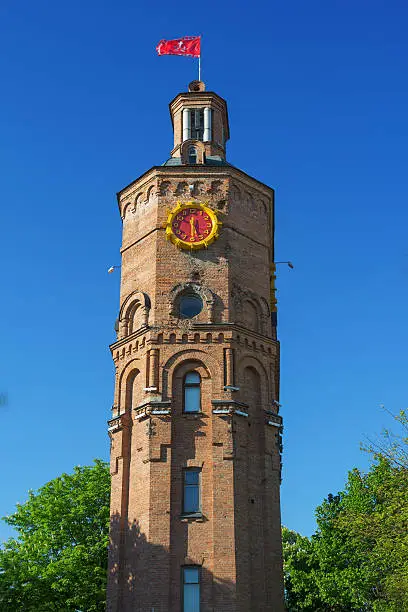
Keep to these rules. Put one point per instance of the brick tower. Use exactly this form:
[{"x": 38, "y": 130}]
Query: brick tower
[{"x": 195, "y": 430}]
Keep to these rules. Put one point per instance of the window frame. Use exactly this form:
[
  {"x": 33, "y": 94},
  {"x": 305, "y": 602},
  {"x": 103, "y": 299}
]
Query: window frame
[
  {"x": 197, "y": 130},
  {"x": 187, "y": 385},
  {"x": 192, "y": 154},
  {"x": 198, "y": 512},
  {"x": 183, "y": 584}
]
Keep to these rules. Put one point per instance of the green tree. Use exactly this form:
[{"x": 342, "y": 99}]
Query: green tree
[
  {"x": 376, "y": 518},
  {"x": 299, "y": 565},
  {"x": 361, "y": 544},
  {"x": 58, "y": 561},
  {"x": 342, "y": 578},
  {"x": 358, "y": 558}
]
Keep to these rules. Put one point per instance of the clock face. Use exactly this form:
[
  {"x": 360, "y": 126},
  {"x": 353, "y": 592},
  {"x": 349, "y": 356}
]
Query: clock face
[{"x": 192, "y": 225}]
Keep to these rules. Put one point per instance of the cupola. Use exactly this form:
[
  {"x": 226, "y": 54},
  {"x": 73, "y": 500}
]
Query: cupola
[{"x": 200, "y": 125}]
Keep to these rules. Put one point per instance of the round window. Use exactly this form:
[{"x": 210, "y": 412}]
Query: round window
[{"x": 190, "y": 306}]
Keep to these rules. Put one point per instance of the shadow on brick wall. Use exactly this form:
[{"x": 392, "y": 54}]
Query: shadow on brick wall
[{"x": 140, "y": 577}]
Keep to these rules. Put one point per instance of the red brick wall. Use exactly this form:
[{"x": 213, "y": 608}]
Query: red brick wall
[{"x": 237, "y": 540}]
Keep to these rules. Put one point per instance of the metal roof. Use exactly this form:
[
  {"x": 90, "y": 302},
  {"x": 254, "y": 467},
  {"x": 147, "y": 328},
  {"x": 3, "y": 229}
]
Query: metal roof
[{"x": 214, "y": 160}]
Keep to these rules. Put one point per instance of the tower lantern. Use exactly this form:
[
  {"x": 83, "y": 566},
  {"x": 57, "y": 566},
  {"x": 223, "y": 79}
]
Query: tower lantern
[
  {"x": 195, "y": 430},
  {"x": 200, "y": 122}
]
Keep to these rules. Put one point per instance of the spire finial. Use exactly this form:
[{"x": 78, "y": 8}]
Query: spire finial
[{"x": 196, "y": 86}]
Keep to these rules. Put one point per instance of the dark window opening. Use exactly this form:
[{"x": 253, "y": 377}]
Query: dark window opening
[
  {"x": 192, "y": 155},
  {"x": 197, "y": 124}
]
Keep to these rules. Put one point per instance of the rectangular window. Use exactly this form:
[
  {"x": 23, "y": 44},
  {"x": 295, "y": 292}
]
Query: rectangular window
[
  {"x": 191, "y": 588},
  {"x": 191, "y": 493},
  {"x": 192, "y": 398},
  {"x": 192, "y": 392},
  {"x": 197, "y": 124}
]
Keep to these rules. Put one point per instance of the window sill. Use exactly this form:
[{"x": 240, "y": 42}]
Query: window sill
[
  {"x": 195, "y": 516},
  {"x": 193, "y": 414}
]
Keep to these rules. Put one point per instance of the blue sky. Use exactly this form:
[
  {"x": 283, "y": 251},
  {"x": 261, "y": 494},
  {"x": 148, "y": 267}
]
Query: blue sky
[{"x": 318, "y": 98}]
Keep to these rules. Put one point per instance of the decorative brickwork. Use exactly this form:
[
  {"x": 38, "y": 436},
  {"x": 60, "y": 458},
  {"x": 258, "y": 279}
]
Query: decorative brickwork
[{"x": 234, "y": 439}]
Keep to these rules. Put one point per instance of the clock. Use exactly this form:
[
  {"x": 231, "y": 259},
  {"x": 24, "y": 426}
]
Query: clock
[{"x": 192, "y": 225}]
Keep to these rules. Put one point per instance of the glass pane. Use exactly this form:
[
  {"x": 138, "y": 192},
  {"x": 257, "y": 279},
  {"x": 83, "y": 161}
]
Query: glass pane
[
  {"x": 191, "y": 498},
  {"x": 191, "y": 477},
  {"x": 191, "y": 575},
  {"x": 192, "y": 399},
  {"x": 191, "y": 598},
  {"x": 192, "y": 377},
  {"x": 192, "y": 155},
  {"x": 190, "y": 306}
]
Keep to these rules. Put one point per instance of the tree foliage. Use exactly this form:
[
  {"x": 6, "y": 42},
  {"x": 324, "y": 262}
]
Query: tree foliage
[
  {"x": 300, "y": 565},
  {"x": 358, "y": 558},
  {"x": 58, "y": 561}
]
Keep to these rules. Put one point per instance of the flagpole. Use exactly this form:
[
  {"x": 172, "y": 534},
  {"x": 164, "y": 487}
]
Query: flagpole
[{"x": 199, "y": 61}]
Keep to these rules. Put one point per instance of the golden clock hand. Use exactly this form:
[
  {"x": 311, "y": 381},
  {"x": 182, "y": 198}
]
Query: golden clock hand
[{"x": 192, "y": 227}]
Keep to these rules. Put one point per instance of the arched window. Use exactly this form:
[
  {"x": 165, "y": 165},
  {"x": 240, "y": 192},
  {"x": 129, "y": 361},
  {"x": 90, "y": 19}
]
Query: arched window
[
  {"x": 192, "y": 392},
  {"x": 192, "y": 155},
  {"x": 134, "y": 317},
  {"x": 252, "y": 389},
  {"x": 250, "y": 316},
  {"x": 131, "y": 391}
]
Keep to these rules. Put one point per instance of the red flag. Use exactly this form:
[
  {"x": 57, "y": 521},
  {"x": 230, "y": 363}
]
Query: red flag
[{"x": 188, "y": 45}]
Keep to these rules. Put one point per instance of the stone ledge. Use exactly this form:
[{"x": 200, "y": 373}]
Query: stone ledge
[
  {"x": 229, "y": 407},
  {"x": 152, "y": 408}
]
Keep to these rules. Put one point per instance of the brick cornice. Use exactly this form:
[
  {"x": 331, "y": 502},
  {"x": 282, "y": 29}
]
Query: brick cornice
[
  {"x": 202, "y": 171},
  {"x": 201, "y": 327}
]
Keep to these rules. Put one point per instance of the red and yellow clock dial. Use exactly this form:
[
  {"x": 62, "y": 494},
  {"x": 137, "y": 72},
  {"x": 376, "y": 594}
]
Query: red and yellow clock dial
[{"x": 192, "y": 225}]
